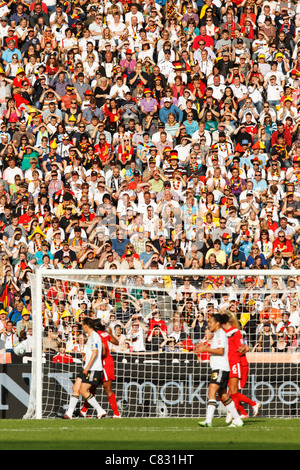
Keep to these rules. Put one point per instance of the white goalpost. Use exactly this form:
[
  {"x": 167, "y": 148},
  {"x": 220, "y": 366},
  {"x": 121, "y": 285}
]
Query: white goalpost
[{"x": 160, "y": 316}]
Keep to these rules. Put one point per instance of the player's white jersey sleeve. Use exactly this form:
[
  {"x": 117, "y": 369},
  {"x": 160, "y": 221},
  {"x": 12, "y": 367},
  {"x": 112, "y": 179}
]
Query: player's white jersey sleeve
[
  {"x": 220, "y": 340},
  {"x": 94, "y": 342}
]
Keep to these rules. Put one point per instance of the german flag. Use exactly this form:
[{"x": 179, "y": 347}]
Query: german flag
[{"x": 4, "y": 296}]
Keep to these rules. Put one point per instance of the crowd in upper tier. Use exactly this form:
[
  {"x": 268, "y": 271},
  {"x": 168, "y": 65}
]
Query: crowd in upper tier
[{"x": 148, "y": 134}]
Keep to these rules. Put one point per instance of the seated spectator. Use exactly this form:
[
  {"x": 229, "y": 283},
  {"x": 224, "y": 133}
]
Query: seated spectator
[{"x": 130, "y": 147}]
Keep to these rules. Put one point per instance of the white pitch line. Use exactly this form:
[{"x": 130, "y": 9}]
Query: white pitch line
[{"x": 145, "y": 429}]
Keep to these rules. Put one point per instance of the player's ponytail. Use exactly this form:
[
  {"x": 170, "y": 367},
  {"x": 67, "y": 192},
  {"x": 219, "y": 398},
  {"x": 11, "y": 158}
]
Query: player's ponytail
[
  {"x": 88, "y": 322},
  {"x": 98, "y": 325},
  {"x": 231, "y": 318},
  {"x": 221, "y": 318}
]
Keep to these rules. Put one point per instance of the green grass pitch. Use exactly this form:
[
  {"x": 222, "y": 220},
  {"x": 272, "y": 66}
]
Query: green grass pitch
[{"x": 148, "y": 434}]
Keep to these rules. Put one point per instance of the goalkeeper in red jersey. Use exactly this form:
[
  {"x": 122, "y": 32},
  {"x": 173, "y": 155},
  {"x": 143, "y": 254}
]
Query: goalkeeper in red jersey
[
  {"x": 108, "y": 369},
  {"x": 239, "y": 367}
]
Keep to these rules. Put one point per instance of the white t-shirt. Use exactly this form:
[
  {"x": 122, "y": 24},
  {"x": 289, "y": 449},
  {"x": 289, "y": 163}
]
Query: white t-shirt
[
  {"x": 220, "y": 340},
  {"x": 239, "y": 91},
  {"x": 10, "y": 173},
  {"x": 94, "y": 342},
  {"x": 138, "y": 14},
  {"x": 279, "y": 76},
  {"x": 218, "y": 91},
  {"x": 117, "y": 28},
  {"x": 274, "y": 92},
  {"x": 82, "y": 43},
  {"x": 97, "y": 28},
  {"x": 121, "y": 89},
  {"x": 138, "y": 344}
]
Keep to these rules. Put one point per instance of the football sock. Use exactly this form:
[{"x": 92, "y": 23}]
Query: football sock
[
  {"x": 246, "y": 399},
  {"x": 93, "y": 402},
  {"x": 73, "y": 402},
  {"x": 231, "y": 407},
  {"x": 242, "y": 410},
  {"x": 236, "y": 400},
  {"x": 85, "y": 405},
  {"x": 113, "y": 404},
  {"x": 210, "y": 410}
]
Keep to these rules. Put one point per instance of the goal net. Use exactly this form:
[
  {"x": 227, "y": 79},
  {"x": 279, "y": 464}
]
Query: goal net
[{"x": 159, "y": 317}]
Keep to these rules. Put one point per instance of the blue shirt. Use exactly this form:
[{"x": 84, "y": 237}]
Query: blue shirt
[
  {"x": 259, "y": 185},
  {"x": 245, "y": 248},
  {"x": 239, "y": 257},
  {"x": 226, "y": 247},
  {"x": 88, "y": 113},
  {"x": 192, "y": 127},
  {"x": 144, "y": 257},
  {"x": 47, "y": 159},
  {"x": 15, "y": 316},
  {"x": 7, "y": 54},
  {"x": 164, "y": 112},
  {"x": 260, "y": 157},
  {"x": 250, "y": 260},
  {"x": 39, "y": 256},
  {"x": 119, "y": 245},
  {"x": 16, "y": 18}
]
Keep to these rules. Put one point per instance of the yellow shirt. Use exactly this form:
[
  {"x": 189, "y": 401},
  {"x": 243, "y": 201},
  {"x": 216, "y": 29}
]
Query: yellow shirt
[{"x": 220, "y": 257}]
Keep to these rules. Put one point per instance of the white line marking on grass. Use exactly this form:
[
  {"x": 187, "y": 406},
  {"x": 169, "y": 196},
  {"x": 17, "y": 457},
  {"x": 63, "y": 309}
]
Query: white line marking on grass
[
  {"x": 100, "y": 428},
  {"x": 194, "y": 429}
]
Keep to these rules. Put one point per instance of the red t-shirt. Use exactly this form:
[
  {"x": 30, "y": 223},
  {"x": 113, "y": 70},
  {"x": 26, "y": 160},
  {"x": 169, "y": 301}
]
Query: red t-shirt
[
  {"x": 272, "y": 226},
  {"x": 235, "y": 340},
  {"x": 103, "y": 151},
  {"x": 19, "y": 99},
  {"x": 66, "y": 100},
  {"x": 105, "y": 338},
  {"x": 251, "y": 128},
  {"x": 65, "y": 359},
  {"x": 24, "y": 220},
  {"x": 125, "y": 154},
  {"x": 207, "y": 39},
  {"x": 17, "y": 82},
  {"x": 283, "y": 247},
  {"x": 153, "y": 323}
]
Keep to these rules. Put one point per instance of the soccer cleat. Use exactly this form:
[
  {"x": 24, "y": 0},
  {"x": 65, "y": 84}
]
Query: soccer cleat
[
  {"x": 82, "y": 414},
  {"x": 245, "y": 416},
  {"x": 228, "y": 418},
  {"x": 236, "y": 425},
  {"x": 101, "y": 415},
  {"x": 204, "y": 424},
  {"x": 116, "y": 417},
  {"x": 66, "y": 416},
  {"x": 255, "y": 409}
]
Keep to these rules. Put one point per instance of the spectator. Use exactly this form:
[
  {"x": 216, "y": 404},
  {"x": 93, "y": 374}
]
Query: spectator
[{"x": 127, "y": 149}]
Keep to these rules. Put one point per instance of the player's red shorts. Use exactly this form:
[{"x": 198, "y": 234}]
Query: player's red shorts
[
  {"x": 108, "y": 369},
  {"x": 235, "y": 371},
  {"x": 244, "y": 375}
]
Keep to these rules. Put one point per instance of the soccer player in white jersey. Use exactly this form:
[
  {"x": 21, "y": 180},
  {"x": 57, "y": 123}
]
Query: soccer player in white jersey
[
  {"x": 92, "y": 373},
  {"x": 219, "y": 364}
]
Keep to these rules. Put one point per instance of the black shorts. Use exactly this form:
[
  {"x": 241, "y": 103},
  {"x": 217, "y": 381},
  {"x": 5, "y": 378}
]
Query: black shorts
[
  {"x": 219, "y": 377},
  {"x": 93, "y": 377}
]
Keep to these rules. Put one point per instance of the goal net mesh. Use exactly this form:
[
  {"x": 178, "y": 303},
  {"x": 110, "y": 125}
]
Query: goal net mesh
[{"x": 158, "y": 321}]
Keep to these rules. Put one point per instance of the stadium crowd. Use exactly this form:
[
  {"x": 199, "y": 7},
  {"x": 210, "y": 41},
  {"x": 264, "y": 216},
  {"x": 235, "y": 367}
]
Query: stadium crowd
[{"x": 148, "y": 135}]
